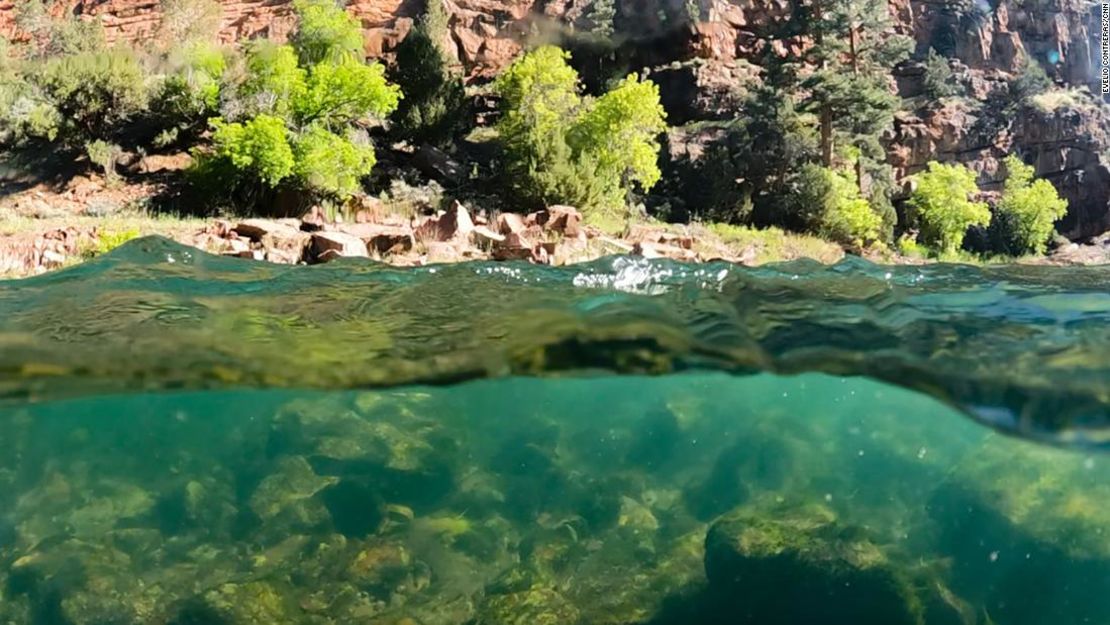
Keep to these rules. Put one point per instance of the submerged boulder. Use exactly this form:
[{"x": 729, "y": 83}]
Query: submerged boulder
[
  {"x": 252, "y": 603},
  {"x": 798, "y": 564},
  {"x": 292, "y": 483},
  {"x": 539, "y": 605}
]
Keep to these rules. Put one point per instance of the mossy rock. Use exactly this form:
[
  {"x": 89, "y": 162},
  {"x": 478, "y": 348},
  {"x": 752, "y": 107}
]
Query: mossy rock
[
  {"x": 253, "y": 603},
  {"x": 539, "y": 605},
  {"x": 292, "y": 482},
  {"x": 798, "y": 564}
]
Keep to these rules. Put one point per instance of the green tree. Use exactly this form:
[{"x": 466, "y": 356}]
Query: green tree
[
  {"x": 848, "y": 217},
  {"x": 274, "y": 79},
  {"x": 25, "y": 111},
  {"x": 943, "y": 206},
  {"x": 435, "y": 101},
  {"x": 831, "y": 204},
  {"x": 939, "y": 82},
  {"x": 325, "y": 32},
  {"x": 190, "y": 91},
  {"x": 96, "y": 92},
  {"x": 260, "y": 146},
  {"x": 294, "y": 119},
  {"x": 331, "y": 163},
  {"x": 850, "y": 90},
  {"x": 1024, "y": 220},
  {"x": 337, "y": 94},
  {"x": 560, "y": 147}
]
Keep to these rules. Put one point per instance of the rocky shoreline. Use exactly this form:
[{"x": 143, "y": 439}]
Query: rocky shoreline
[
  {"x": 50, "y": 229},
  {"x": 554, "y": 236}
]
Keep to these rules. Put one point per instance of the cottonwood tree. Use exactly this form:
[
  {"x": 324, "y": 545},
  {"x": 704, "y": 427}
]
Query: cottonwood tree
[
  {"x": 563, "y": 148},
  {"x": 296, "y": 116}
]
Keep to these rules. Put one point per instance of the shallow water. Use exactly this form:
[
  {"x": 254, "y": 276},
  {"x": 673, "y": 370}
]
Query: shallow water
[{"x": 159, "y": 465}]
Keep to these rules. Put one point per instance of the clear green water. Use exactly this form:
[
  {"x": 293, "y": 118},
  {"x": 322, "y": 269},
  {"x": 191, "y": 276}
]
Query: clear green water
[{"x": 213, "y": 442}]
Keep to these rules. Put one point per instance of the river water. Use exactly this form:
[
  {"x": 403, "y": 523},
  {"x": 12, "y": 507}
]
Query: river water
[{"x": 193, "y": 440}]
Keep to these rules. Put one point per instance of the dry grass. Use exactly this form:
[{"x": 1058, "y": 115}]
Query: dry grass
[
  {"x": 759, "y": 246},
  {"x": 1069, "y": 99}
]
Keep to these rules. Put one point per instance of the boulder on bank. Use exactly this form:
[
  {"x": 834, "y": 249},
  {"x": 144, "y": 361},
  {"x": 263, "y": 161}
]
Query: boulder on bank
[
  {"x": 383, "y": 239},
  {"x": 565, "y": 220},
  {"x": 327, "y": 246},
  {"x": 449, "y": 225}
]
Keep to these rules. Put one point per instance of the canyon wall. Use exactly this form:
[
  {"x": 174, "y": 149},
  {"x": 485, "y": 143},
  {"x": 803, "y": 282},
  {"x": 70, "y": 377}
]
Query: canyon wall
[
  {"x": 697, "y": 48},
  {"x": 1063, "y": 34}
]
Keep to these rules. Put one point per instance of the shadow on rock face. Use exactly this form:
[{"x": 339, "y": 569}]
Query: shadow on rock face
[
  {"x": 800, "y": 566},
  {"x": 356, "y": 511},
  {"x": 1021, "y": 579},
  {"x": 761, "y": 462}
]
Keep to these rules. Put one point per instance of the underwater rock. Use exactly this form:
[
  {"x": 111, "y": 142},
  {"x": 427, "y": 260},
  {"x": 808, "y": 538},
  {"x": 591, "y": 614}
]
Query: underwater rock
[
  {"x": 202, "y": 507},
  {"x": 798, "y": 564},
  {"x": 56, "y": 508},
  {"x": 615, "y": 585},
  {"x": 1027, "y": 556},
  {"x": 760, "y": 461},
  {"x": 541, "y": 605},
  {"x": 387, "y": 574},
  {"x": 252, "y": 603},
  {"x": 378, "y": 432},
  {"x": 82, "y": 583},
  {"x": 292, "y": 482}
]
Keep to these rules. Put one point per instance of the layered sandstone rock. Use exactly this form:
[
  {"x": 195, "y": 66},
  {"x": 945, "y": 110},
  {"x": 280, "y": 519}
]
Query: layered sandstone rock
[{"x": 486, "y": 34}]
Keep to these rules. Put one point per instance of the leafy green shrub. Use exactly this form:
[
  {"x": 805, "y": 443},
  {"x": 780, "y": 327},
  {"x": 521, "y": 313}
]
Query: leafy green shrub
[
  {"x": 104, "y": 155},
  {"x": 96, "y": 92},
  {"x": 325, "y": 32},
  {"x": 1030, "y": 81},
  {"x": 942, "y": 205},
  {"x": 909, "y": 247},
  {"x": 435, "y": 101},
  {"x": 190, "y": 92},
  {"x": 25, "y": 111},
  {"x": 294, "y": 117},
  {"x": 331, "y": 163},
  {"x": 1023, "y": 223},
  {"x": 57, "y": 37},
  {"x": 939, "y": 81},
  {"x": 835, "y": 207},
  {"x": 108, "y": 240},
  {"x": 848, "y": 217},
  {"x": 259, "y": 147},
  {"x": 562, "y": 148}
]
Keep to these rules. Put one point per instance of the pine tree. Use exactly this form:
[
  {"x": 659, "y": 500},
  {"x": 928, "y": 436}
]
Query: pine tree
[
  {"x": 435, "y": 101},
  {"x": 854, "y": 49}
]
